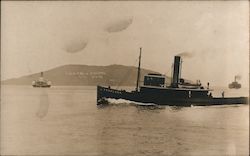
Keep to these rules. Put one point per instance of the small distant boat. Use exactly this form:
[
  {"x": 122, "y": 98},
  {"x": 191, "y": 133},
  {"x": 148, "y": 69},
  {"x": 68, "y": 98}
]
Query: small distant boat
[
  {"x": 41, "y": 82},
  {"x": 234, "y": 84}
]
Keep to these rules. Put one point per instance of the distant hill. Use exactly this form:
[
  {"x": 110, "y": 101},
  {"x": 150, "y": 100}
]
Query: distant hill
[{"x": 113, "y": 75}]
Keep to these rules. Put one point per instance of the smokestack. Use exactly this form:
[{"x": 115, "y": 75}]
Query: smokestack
[{"x": 176, "y": 73}]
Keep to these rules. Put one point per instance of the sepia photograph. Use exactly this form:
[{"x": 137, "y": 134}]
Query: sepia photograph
[{"x": 125, "y": 78}]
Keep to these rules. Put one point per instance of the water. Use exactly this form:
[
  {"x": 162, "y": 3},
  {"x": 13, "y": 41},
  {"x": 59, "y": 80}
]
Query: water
[{"x": 66, "y": 121}]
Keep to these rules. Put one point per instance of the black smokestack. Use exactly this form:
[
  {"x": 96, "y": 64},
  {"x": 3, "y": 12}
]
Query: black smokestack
[{"x": 176, "y": 73}]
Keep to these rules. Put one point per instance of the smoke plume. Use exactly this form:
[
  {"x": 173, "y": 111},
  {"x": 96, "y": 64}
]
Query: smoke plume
[
  {"x": 238, "y": 77},
  {"x": 186, "y": 54}
]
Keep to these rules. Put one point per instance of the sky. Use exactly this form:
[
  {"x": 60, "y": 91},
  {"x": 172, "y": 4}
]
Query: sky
[{"x": 212, "y": 36}]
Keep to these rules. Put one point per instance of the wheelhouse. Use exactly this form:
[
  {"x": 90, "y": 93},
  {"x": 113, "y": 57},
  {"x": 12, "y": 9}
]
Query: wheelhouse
[{"x": 157, "y": 80}]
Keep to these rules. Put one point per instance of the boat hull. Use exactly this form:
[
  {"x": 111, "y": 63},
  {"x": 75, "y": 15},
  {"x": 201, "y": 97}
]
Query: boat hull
[
  {"x": 234, "y": 86},
  {"x": 104, "y": 93},
  {"x": 42, "y": 86}
]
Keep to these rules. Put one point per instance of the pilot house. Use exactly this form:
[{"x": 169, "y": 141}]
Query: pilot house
[{"x": 157, "y": 80}]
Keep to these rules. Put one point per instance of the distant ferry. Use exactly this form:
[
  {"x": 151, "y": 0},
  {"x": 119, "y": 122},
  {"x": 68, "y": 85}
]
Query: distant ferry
[
  {"x": 178, "y": 93},
  {"x": 234, "y": 84},
  {"x": 41, "y": 82}
]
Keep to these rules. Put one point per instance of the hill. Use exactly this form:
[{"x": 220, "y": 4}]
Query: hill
[{"x": 113, "y": 75}]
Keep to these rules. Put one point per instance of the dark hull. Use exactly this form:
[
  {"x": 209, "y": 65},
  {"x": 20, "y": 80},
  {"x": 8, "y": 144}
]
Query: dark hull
[
  {"x": 231, "y": 86},
  {"x": 234, "y": 85},
  {"x": 42, "y": 86},
  {"x": 163, "y": 98}
]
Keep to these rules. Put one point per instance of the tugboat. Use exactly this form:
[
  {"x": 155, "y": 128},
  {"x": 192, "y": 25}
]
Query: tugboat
[
  {"x": 234, "y": 84},
  {"x": 41, "y": 82},
  {"x": 179, "y": 93}
]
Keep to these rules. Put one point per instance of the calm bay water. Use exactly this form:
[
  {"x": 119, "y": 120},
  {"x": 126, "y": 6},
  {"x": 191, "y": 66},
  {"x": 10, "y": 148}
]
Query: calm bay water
[{"x": 66, "y": 121}]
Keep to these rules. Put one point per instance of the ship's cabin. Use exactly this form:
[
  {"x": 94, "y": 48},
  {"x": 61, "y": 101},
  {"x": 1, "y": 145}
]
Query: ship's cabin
[
  {"x": 154, "y": 84},
  {"x": 152, "y": 79}
]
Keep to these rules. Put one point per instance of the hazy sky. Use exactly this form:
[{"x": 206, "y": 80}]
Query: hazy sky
[{"x": 38, "y": 36}]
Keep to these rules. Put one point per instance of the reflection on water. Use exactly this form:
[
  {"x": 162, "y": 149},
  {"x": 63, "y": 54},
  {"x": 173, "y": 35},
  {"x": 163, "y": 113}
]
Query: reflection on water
[
  {"x": 43, "y": 103},
  {"x": 176, "y": 108},
  {"x": 150, "y": 107}
]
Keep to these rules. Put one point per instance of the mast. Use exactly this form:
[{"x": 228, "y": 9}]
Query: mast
[
  {"x": 172, "y": 71},
  {"x": 138, "y": 72},
  {"x": 180, "y": 68}
]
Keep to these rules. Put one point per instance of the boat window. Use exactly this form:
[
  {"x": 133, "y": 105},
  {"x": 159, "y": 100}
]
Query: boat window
[{"x": 154, "y": 81}]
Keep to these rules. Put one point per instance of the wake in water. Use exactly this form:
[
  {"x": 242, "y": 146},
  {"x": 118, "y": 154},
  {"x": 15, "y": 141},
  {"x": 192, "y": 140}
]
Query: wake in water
[
  {"x": 124, "y": 103},
  {"x": 151, "y": 106}
]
